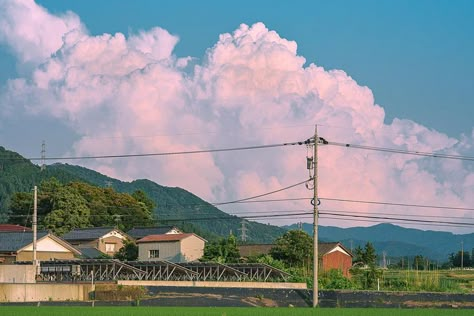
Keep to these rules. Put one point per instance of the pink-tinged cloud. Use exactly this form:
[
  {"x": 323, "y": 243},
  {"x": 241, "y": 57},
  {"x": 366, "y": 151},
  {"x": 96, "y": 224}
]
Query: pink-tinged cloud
[{"x": 130, "y": 94}]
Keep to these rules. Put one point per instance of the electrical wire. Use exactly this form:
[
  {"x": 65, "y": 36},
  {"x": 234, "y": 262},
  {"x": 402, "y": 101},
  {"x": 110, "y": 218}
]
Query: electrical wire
[
  {"x": 260, "y": 195},
  {"x": 189, "y": 152},
  {"x": 403, "y": 151}
]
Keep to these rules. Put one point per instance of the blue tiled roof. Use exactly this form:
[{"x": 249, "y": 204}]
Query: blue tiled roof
[
  {"x": 13, "y": 241},
  {"x": 87, "y": 233}
]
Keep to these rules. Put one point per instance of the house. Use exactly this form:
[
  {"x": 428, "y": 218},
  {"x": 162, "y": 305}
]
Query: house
[
  {"x": 333, "y": 255},
  {"x": 13, "y": 228},
  {"x": 171, "y": 247},
  {"x": 18, "y": 246},
  {"x": 107, "y": 240},
  {"x": 140, "y": 232}
]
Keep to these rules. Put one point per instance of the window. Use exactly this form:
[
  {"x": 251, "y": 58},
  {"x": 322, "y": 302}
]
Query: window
[
  {"x": 154, "y": 253},
  {"x": 109, "y": 247}
]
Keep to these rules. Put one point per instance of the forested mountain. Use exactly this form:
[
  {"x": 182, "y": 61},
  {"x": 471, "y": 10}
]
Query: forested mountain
[
  {"x": 173, "y": 206},
  {"x": 397, "y": 241}
]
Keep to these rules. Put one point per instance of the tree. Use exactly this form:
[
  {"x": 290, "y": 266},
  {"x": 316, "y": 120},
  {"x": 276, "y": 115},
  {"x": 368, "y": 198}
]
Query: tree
[
  {"x": 295, "y": 248},
  {"x": 369, "y": 256},
  {"x": 455, "y": 259},
  {"x": 223, "y": 251},
  {"x": 129, "y": 251},
  {"x": 69, "y": 211}
]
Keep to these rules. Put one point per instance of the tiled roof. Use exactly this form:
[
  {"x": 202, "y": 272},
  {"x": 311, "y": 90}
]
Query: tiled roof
[
  {"x": 13, "y": 228},
  {"x": 90, "y": 253},
  {"x": 13, "y": 241},
  {"x": 165, "y": 237},
  {"x": 140, "y": 232},
  {"x": 92, "y": 233}
]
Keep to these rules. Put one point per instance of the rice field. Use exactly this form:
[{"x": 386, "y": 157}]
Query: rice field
[{"x": 220, "y": 311}]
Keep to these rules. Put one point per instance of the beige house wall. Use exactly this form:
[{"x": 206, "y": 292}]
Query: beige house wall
[
  {"x": 170, "y": 250},
  {"x": 118, "y": 243},
  {"x": 192, "y": 248},
  {"x": 84, "y": 243},
  {"x": 43, "y": 255}
]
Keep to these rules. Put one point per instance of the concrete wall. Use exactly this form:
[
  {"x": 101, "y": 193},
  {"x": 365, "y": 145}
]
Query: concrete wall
[
  {"x": 251, "y": 285},
  {"x": 17, "y": 273},
  {"x": 44, "y": 292}
]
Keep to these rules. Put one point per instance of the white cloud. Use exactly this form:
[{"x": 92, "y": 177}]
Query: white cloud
[{"x": 250, "y": 89}]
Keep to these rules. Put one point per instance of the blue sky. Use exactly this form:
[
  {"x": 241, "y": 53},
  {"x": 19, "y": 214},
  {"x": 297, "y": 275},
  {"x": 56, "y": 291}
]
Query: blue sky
[
  {"x": 416, "y": 56},
  {"x": 86, "y": 93}
]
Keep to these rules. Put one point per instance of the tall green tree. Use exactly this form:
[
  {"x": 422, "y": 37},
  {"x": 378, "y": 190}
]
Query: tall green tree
[
  {"x": 295, "y": 248},
  {"x": 223, "y": 251},
  {"x": 69, "y": 211}
]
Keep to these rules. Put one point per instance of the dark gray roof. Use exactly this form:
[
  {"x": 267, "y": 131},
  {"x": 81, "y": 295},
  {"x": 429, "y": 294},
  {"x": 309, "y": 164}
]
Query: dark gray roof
[
  {"x": 92, "y": 233},
  {"x": 13, "y": 241},
  {"x": 91, "y": 253},
  {"x": 140, "y": 232}
]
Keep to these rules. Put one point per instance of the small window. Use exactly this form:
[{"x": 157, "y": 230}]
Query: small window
[
  {"x": 154, "y": 253},
  {"x": 109, "y": 247}
]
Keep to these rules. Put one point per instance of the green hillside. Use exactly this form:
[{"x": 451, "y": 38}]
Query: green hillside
[
  {"x": 174, "y": 206},
  {"x": 397, "y": 241}
]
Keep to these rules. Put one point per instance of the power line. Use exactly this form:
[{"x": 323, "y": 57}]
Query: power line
[
  {"x": 403, "y": 151},
  {"x": 189, "y": 152},
  {"x": 353, "y": 201},
  {"x": 260, "y": 195}
]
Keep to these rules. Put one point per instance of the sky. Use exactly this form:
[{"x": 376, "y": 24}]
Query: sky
[{"x": 131, "y": 77}]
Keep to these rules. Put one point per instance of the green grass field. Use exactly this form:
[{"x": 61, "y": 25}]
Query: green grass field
[{"x": 220, "y": 311}]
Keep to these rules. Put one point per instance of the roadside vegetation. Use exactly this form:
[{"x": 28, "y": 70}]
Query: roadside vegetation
[{"x": 293, "y": 253}]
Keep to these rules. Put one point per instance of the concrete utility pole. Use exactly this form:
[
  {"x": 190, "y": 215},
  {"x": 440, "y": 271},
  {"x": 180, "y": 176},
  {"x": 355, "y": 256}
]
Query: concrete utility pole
[
  {"x": 35, "y": 223},
  {"x": 462, "y": 255},
  {"x": 315, "y": 222},
  {"x": 312, "y": 163}
]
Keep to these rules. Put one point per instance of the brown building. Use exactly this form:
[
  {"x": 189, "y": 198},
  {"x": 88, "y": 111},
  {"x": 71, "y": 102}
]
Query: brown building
[
  {"x": 18, "y": 246},
  {"x": 333, "y": 255},
  {"x": 107, "y": 240},
  {"x": 171, "y": 247}
]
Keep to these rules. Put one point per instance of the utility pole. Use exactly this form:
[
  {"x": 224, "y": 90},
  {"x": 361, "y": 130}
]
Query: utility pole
[
  {"x": 312, "y": 164},
  {"x": 315, "y": 220},
  {"x": 35, "y": 224},
  {"x": 462, "y": 255}
]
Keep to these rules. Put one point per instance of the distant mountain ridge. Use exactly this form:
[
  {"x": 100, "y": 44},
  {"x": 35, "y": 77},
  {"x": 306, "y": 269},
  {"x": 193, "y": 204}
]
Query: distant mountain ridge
[
  {"x": 397, "y": 241},
  {"x": 175, "y": 206}
]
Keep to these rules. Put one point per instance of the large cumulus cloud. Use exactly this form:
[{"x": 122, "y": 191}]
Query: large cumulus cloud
[{"x": 130, "y": 94}]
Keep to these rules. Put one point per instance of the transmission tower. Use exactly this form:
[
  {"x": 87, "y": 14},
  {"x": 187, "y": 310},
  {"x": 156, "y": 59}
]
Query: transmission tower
[
  {"x": 43, "y": 155},
  {"x": 243, "y": 231}
]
